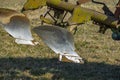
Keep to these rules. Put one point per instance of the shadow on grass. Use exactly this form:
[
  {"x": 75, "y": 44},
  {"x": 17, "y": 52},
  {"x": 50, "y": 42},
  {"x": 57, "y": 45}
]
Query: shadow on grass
[{"x": 33, "y": 68}]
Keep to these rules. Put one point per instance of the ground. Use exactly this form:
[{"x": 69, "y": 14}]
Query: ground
[{"x": 23, "y": 62}]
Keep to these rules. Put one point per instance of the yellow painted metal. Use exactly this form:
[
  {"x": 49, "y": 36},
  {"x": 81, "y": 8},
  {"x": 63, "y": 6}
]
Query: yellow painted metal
[
  {"x": 58, "y": 4},
  {"x": 79, "y": 16},
  {"x": 34, "y": 4},
  {"x": 46, "y": 20}
]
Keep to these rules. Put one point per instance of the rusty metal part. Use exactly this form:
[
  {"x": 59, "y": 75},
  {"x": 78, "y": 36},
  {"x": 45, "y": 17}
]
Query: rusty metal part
[
  {"x": 7, "y": 14},
  {"x": 117, "y": 11}
]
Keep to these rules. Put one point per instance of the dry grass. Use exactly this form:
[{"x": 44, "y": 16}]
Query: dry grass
[{"x": 23, "y": 62}]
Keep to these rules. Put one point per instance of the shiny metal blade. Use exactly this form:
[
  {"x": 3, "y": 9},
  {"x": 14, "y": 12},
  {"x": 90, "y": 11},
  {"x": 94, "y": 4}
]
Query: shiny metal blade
[{"x": 58, "y": 39}]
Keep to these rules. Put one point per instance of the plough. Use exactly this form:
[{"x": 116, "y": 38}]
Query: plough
[
  {"x": 79, "y": 15},
  {"x": 57, "y": 38},
  {"x": 17, "y": 25}
]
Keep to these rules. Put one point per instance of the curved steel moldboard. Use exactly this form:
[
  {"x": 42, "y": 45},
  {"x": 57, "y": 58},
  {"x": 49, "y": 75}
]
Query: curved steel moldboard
[
  {"x": 17, "y": 25},
  {"x": 57, "y": 38}
]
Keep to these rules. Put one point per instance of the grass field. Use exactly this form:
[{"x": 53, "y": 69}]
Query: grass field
[{"x": 23, "y": 62}]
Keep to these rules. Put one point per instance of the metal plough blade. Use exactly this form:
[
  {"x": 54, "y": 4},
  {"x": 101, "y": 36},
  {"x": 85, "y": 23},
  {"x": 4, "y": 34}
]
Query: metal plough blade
[
  {"x": 17, "y": 25},
  {"x": 59, "y": 40}
]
